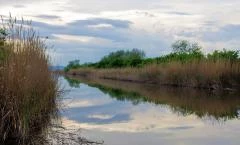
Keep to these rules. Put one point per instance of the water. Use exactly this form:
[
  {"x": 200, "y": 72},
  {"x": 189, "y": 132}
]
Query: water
[{"x": 121, "y": 113}]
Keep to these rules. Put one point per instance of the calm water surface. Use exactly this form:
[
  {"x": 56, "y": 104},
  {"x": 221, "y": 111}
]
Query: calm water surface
[{"x": 122, "y": 113}]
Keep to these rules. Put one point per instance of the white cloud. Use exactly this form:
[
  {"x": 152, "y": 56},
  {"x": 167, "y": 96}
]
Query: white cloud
[
  {"x": 100, "y": 116},
  {"x": 99, "y": 26},
  {"x": 151, "y": 122},
  {"x": 150, "y": 25},
  {"x": 81, "y": 39}
]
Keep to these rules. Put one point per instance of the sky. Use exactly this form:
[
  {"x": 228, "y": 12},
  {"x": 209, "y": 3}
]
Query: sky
[{"x": 89, "y": 30}]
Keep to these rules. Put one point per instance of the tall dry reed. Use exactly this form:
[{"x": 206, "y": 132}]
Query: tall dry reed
[
  {"x": 28, "y": 89},
  {"x": 201, "y": 74}
]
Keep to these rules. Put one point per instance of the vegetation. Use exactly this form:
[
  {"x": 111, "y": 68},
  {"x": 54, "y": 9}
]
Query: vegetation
[
  {"x": 122, "y": 58},
  {"x": 72, "y": 65},
  {"x": 119, "y": 59},
  {"x": 184, "y": 46},
  {"x": 224, "y": 55},
  {"x": 73, "y": 82},
  {"x": 3, "y": 51},
  {"x": 28, "y": 89},
  {"x": 183, "y": 51},
  {"x": 186, "y": 66}
]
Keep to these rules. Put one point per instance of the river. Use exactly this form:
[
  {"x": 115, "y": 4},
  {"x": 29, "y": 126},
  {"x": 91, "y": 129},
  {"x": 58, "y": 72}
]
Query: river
[{"x": 124, "y": 113}]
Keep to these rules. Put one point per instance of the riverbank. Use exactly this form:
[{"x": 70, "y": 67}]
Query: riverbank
[{"x": 203, "y": 74}]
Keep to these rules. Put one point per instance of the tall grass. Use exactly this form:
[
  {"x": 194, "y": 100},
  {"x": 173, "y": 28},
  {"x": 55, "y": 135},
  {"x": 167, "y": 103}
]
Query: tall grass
[
  {"x": 200, "y": 74},
  {"x": 28, "y": 89}
]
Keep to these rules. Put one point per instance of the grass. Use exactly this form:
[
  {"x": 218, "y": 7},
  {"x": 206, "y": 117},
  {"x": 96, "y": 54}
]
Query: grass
[
  {"x": 199, "y": 74},
  {"x": 28, "y": 89}
]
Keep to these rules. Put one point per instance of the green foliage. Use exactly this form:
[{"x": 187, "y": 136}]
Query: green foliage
[
  {"x": 72, "y": 65},
  {"x": 121, "y": 95},
  {"x": 3, "y": 52},
  {"x": 89, "y": 64},
  {"x": 224, "y": 55},
  {"x": 122, "y": 58},
  {"x": 73, "y": 82},
  {"x": 149, "y": 61},
  {"x": 180, "y": 57},
  {"x": 3, "y": 35}
]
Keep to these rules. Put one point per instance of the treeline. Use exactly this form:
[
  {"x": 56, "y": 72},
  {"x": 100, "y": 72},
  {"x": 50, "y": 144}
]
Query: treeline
[
  {"x": 118, "y": 59},
  {"x": 182, "y": 51}
]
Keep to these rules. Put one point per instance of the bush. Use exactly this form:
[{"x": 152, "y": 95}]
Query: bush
[
  {"x": 230, "y": 55},
  {"x": 122, "y": 58},
  {"x": 72, "y": 65},
  {"x": 180, "y": 57}
]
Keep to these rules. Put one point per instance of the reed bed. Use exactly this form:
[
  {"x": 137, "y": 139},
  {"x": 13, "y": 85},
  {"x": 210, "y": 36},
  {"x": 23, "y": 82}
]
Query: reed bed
[
  {"x": 28, "y": 89},
  {"x": 207, "y": 74}
]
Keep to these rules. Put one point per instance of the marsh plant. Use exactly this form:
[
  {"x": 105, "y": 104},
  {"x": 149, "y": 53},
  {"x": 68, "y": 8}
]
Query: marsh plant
[{"x": 28, "y": 89}]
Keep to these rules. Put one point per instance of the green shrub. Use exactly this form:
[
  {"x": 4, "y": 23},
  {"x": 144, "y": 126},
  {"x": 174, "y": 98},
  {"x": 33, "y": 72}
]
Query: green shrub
[
  {"x": 122, "y": 58},
  {"x": 180, "y": 57},
  {"x": 72, "y": 65},
  {"x": 224, "y": 55}
]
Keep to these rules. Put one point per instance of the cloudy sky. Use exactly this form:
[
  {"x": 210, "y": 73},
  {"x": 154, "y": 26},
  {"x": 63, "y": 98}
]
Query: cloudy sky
[{"x": 88, "y": 30}]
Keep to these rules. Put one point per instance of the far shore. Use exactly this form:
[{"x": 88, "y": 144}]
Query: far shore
[
  {"x": 149, "y": 75},
  {"x": 185, "y": 66}
]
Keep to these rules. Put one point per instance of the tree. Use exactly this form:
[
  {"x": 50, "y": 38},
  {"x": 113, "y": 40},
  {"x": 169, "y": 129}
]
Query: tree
[
  {"x": 184, "y": 46},
  {"x": 72, "y": 65},
  {"x": 121, "y": 58}
]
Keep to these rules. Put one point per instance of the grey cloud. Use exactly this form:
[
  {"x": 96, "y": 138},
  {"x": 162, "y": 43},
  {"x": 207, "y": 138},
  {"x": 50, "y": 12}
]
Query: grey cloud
[
  {"x": 186, "y": 33},
  {"x": 147, "y": 14},
  {"x": 80, "y": 27},
  {"x": 181, "y": 128},
  {"x": 115, "y": 23},
  {"x": 67, "y": 44},
  {"x": 226, "y": 33},
  {"x": 209, "y": 23},
  {"x": 179, "y": 13},
  {"x": 18, "y": 3},
  {"x": 19, "y": 6},
  {"x": 47, "y": 16},
  {"x": 113, "y": 5},
  {"x": 83, "y": 54}
]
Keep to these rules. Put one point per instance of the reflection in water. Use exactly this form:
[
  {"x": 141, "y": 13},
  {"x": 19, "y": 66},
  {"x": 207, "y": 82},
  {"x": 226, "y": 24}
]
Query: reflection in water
[
  {"x": 220, "y": 105},
  {"x": 148, "y": 114}
]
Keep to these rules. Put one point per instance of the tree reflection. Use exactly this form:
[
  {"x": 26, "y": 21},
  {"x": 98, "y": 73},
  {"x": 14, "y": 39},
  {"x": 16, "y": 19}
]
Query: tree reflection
[{"x": 203, "y": 103}]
